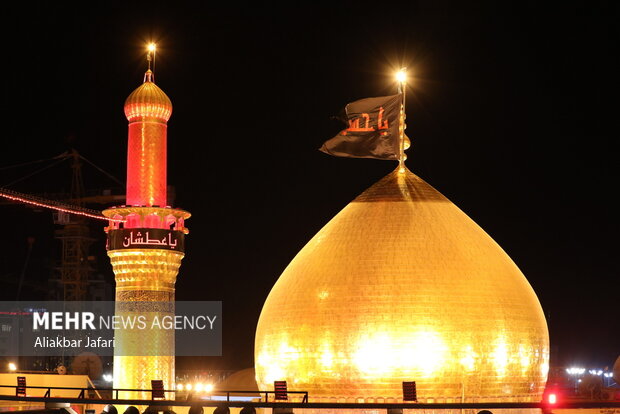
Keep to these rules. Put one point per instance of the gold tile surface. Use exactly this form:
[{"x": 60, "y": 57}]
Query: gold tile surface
[
  {"x": 146, "y": 276},
  {"x": 402, "y": 285},
  {"x": 148, "y": 101}
]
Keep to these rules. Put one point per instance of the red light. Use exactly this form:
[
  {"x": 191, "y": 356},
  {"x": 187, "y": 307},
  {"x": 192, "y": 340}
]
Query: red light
[
  {"x": 552, "y": 398},
  {"x": 68, "y": 209}
]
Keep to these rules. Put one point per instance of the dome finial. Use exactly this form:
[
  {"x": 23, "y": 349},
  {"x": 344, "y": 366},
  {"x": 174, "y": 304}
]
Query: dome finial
[
  {"x": 149, "y": 76},
  {"x": 148, "y": 101},
  {"x": 401, "y": 78}
]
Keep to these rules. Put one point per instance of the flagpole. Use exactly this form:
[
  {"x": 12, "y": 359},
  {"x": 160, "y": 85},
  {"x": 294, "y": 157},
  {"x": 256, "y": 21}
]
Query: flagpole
[{"x": 401, "y": 77}]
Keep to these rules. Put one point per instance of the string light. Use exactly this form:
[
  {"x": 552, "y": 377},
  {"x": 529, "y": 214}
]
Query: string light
[{"x": 22, "y": 198}]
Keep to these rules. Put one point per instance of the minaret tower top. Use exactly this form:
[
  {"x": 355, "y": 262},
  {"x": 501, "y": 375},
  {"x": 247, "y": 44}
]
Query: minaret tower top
[
  {"x": 148, "y": 110},
  {"x": 148, "y": 102}
]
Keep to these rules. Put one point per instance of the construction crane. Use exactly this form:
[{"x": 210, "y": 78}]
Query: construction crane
[{"x": 74, "y": 268}]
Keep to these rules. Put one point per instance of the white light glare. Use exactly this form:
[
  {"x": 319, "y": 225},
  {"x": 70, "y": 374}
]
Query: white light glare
[
  {"x": 107, "y": 377},
  {"x": 12, "y": 366},
  {"x": 575, "y": 371},
  {"x": 401, "y": 76},
  {"x": 209, "y": 387}
]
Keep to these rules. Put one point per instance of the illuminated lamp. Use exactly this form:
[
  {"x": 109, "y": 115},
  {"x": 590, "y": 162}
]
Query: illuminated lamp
[
  {"x": 12, "y": 367},
  {"x": 550, "y": 399}
]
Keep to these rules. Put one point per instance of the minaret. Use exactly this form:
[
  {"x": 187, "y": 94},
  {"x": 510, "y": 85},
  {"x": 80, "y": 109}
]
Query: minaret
[{"x": 147, "y": 248}]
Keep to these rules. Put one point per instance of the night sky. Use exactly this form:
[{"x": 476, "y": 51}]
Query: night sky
[{"x": 510, "y": 113}]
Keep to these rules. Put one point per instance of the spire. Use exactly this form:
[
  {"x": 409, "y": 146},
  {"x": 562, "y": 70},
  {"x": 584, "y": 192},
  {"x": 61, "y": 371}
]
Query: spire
[
  {"x": 148, "y": 100},
  {"x": 401, "y": 77},
  {"x": 149, "y": 76}
]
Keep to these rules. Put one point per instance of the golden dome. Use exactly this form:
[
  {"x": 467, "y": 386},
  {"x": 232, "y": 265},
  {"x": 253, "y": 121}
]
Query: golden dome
[
  {"x": 401, "y": 285},
  {"x": 148, "y": 101}
]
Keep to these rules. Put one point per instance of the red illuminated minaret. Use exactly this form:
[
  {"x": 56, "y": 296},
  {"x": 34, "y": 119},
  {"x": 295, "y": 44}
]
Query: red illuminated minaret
[
  {"x": 148, "y": 110},
  {"x": 147, "y": 248}
]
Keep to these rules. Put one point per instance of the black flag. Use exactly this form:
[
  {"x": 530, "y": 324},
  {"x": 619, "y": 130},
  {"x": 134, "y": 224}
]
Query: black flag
[{"x": 372, "y": 130}]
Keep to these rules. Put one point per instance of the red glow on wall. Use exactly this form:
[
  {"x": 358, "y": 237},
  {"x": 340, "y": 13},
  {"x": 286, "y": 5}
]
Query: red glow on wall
[{"x": 146, "y": 164}]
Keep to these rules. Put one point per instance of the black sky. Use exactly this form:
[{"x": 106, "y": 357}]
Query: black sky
[{"x": 511, "y": 114}]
